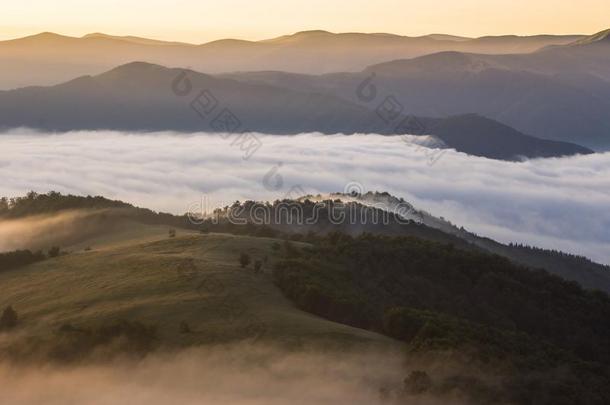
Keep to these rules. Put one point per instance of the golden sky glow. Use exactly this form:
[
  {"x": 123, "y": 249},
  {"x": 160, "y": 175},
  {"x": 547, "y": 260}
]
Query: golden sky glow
[{"x": 203, "y": 20}]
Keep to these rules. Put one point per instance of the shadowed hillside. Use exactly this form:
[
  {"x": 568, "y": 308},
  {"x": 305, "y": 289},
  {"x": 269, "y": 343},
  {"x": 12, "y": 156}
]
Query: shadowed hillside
[
  {"x": 145, "y": 97},
  {"x": 504, "y": 319},
  {"x": 42, "y": 221},
  {"x": 559, "y": 92},
  {"x": 49, "y": 58},
  {"x": 477, "y": 327}
]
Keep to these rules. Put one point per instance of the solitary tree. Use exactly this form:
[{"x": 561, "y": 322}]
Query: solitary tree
[
  {"x": 291, "y": 250},
  {"x": 4, "y": 206},
  {"x": 185, "y": 328},
  {"x": 258, "y": 266},
  {"x": 417, "y": 382},
  {"x": 8, "y": 320},
  {"x": 244, "y": 259},
  {"x": 54, "y": 251}
]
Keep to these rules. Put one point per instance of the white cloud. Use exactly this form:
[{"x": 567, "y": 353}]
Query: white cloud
[{"x": 553, "y": 203}]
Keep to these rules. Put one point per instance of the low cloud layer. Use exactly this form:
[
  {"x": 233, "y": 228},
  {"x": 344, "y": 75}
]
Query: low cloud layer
[
  {"x": 234, "y": 375},
  {"x": 42, "y": 231},
  {"x": 553, "y": 203}
]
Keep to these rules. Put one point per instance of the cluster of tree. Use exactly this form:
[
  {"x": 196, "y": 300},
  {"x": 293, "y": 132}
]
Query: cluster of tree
[
  {"x": 52, "y": 202},
  {"x": 307, "y": 216},
  {"x": 19, "y": 258},
  {"x": 286, "y": 218},
  {"x": 245, "y": 260},
  {"x": 120, "y": 337},
  {"x": 529, "y": 389},
  {"x": 225, "y": 226},
  {"x": 436, "y": 297},
  {"x": 570, "y": 259},
  {"x": 35, "y": 204},
  {"x": 9, "y": 319}
]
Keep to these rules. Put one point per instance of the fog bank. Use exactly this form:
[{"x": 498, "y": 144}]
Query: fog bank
[
  {"x": 232, "y": 375},
  {"x": 552, "y": 203}
]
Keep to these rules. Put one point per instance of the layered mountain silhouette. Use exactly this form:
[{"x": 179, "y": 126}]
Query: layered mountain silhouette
[
  {"x": 559, "y": 92},
  {"x": 549, "y": 87},
  {"x": 49, "y": 58},
  {"x": 141, "y": 96}
]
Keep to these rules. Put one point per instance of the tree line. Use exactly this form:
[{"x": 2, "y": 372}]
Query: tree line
[{"x": 437, "y": 297}]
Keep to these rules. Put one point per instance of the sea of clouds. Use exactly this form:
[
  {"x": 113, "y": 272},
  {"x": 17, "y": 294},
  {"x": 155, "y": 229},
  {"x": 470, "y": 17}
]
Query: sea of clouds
[{"x": 561, "y": 203}]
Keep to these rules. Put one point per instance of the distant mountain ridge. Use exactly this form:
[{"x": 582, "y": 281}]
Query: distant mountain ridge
[
  {"x": 139, "y": 96},
  {"x": 558, "y": 93},
  {"x": 603, "y": 36},
  {"x": 31, "y": 60},
  {"x": 549, "y": 87}
]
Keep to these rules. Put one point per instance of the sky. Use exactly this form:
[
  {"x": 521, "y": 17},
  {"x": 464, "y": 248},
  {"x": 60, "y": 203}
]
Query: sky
[
  {"x": 199, "y": 21},
  {"x": 557, "y": 203}
]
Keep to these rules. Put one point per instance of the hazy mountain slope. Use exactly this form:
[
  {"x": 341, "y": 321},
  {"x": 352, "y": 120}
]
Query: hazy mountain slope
[
  {"x": 466, "y": 132},
  {"x": 136, "y": 40},
  {"x": 382, "y": 214},
  {"x": 589, "y": 56},
  {"x": 325, "y": 52},
  {"x": 41, "y": 221},
  {"x": 588, "y": 273},
  {"x": 140, "y": 96},
  {"x": 49, "y": 58},
  {"x": 559, "y": 93}
]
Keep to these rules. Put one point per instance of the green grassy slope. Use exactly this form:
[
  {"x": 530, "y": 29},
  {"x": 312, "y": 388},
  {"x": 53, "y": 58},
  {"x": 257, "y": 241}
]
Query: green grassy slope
[{"x": 142, "y": 275}]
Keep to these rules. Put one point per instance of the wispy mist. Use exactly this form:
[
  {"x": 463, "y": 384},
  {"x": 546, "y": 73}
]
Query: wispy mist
[
  {"x": 553, "y": 203},
  {"x": 234, "y": 375},
  {"x": 43, "y": 231}
]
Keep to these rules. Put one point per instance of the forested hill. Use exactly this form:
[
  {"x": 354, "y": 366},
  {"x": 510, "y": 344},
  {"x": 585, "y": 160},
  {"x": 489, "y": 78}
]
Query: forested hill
[
  {"x": 361, "y": 217},
  {"x": 281, "y": 220},
  {"x": 545, "y": 338},
  {"x": 53, "y": 202},
  {"x": 37, "y": 204}
]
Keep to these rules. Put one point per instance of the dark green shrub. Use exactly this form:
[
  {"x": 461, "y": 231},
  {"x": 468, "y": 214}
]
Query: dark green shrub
[
  {"x": 417, "y": 383},
  {"x": 54, "y": 251},
  {"x": 9, "y": 319},
  {"x": 258, "y": 267},
  {"x": 185, "y": 328},
  {"x": 244, "y": 260}
]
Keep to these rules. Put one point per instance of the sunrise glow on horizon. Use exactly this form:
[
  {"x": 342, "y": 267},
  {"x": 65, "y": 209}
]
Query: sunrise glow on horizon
[{"x": 202, "y": 21}]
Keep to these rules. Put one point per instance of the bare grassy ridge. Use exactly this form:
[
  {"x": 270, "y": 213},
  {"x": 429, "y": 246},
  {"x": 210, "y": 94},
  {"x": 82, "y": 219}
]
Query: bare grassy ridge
[{"x": 191, "y": 279}]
